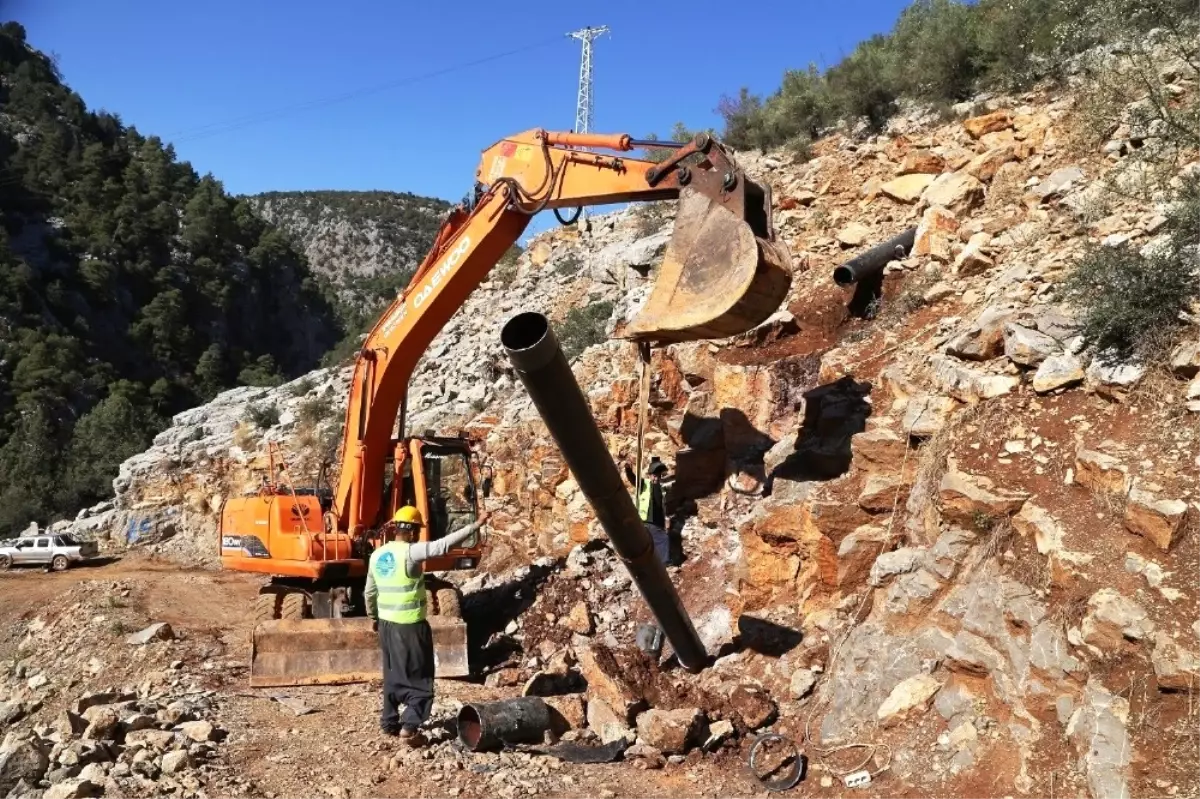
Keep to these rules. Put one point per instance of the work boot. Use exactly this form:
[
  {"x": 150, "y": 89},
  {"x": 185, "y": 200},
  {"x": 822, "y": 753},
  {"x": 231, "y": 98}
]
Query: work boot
[{"x": 411, "y": 738}]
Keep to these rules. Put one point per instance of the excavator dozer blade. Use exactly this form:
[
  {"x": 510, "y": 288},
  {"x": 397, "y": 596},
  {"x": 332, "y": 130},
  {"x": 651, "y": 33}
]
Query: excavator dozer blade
[
  {"x": 338, "y": 651},
  {"x": 718, "y": 278}
]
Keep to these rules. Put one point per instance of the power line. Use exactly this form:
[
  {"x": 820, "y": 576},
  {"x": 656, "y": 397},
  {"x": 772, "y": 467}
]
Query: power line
[{"x": 217, "y": 128}]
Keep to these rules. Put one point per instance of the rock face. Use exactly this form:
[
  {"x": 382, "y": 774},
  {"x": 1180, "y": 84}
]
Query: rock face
[{"x": 329, "y": 226}]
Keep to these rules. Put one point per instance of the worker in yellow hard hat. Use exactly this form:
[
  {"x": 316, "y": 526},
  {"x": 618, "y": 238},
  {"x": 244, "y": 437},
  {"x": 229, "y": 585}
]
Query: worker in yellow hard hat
[{"x": 396, "y": 602}]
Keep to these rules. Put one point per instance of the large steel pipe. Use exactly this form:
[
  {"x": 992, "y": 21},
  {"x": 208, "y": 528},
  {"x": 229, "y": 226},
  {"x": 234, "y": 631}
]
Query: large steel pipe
[
  {"x": 533, "y": 350},
  {"x": 875, "y": 259}
]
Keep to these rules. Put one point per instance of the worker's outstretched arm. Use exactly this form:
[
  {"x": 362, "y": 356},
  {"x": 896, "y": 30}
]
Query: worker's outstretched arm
[{"x": 424, "y": 550}]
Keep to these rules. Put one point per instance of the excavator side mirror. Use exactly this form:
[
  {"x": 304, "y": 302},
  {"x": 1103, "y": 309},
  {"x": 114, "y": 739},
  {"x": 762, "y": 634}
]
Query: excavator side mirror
[{"x": 486, "y": 487}]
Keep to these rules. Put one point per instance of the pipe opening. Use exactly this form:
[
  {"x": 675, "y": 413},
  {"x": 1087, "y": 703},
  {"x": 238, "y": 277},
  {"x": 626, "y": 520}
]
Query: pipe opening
[
  {"x": 524, "y": 331},
  {"x": 843, "y": 276},
  {"x": 470, "y": 730}
]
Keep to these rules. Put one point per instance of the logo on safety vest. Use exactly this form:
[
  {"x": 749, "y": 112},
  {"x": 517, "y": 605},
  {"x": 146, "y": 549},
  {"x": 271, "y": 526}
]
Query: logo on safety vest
[{"x": 386, "y": 564}]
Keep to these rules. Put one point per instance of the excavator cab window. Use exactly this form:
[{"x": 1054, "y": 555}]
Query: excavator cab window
[{"x": 450, "y": 489}]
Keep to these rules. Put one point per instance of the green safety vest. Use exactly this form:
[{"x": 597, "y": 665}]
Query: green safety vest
[
  {"x": 401, "y": 598},
  {"x": 643, "y": 500}
]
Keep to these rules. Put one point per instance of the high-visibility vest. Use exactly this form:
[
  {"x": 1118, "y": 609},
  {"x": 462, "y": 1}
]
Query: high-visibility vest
[
  {"x": 401, "y": 598},
  {"x": 643, "y": 500}
]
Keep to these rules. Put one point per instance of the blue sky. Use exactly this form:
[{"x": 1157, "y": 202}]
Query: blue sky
[{"x": 210, "y": 76}]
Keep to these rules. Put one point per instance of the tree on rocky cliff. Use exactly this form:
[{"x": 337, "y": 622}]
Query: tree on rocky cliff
[
  {"x": 130, "y": 288},
  {"x": 941, "y": 52}
]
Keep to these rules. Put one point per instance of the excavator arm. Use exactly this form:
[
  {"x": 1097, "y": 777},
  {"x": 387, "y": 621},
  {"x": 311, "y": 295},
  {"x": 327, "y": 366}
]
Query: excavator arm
[{"x": 724, "y": 271}]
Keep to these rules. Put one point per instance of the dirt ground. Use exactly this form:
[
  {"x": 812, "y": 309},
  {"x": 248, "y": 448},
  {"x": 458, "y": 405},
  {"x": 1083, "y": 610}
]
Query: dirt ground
[{"x": 337, "y": 751}]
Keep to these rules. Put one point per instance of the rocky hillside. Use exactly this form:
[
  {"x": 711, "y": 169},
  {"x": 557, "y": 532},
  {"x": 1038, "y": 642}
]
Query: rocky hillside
[
  {"x": 355, "y": 234},
  {"x": 940, "y": 525},
  {"x": 365, "y": 243}
]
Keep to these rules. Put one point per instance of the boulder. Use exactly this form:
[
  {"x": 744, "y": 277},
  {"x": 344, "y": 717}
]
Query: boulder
[
  {"x": 858, "y": 552},
  {"x": 985, "y": 165},
  {"x": 966, "y": 384},
  {"x": 1098, "y": 729},
  {"x": 1112, "y": 618},
  {"x": 910, "y": 695},
  {"x": 606, "y": 722},
  {"x": 1036, "y": 522},
  {"x": 1058, "y": 370},
  {"x": 609, "y": 682},
  {"x": 1058, "y": 182},
  {"x": 567, "y": 712},
  {"x": 936, "y": 233},
  {"x": 754, "y": 705},
  {"x": 907, "y": 188},
  {"x": 984, "y": 340},
  {"x": 853, "y": 235},
  {"x": 1101, "y": 472},
  {"x": 972, "y": 499},
  {"x": 199, "y": 731},
  {"x": 160, "y": 631},
  {"x": 103, "y": 723},
  {"x": 880, "y": 449},
  {"x": 926, "y": 414},
  {"x": 958, "y": 191},
  {"x": 921, "y": 162},
  {"x": 976, "y": 127},
  {"x": 802, "y": 683},
  {"x": 881, "y": 493},
  {"x": 579, "y": 619},
  {"x": 73, "y": 789},
  {"x": 1113, "y": 380},
  {"x": 1027, "y": 347},
  {"x": 972, "y": 260},
  {"x": 1175, "y": 667},
  {"x": 1185, "y": 359},
  {"x": 176, "y": 761},
  {"x": 1160, "y": 520},
  {"x": 894, "y": 563},
  {"x": 26, "y": 761},
  {"x": 671, "y": 731}
]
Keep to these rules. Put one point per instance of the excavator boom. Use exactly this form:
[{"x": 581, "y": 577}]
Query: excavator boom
[{"x": 724, "y": 272}]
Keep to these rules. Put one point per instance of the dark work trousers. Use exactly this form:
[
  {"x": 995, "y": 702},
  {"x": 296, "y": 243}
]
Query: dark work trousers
[
  {"x": 649, "y": 636},
  {"x": 407, "y": 673},
  {"x": 662, "y": 542}
]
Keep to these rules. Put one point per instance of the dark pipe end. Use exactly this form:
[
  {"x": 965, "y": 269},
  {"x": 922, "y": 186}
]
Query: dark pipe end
[
  {"x": 529, "y": 340},
  {"x": 843, "y": 276},
  {"x": 470, "y": 730}
]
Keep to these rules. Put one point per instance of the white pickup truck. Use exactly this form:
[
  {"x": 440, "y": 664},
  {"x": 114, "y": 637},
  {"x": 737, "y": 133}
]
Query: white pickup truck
[{"x": 58, "y": 551}]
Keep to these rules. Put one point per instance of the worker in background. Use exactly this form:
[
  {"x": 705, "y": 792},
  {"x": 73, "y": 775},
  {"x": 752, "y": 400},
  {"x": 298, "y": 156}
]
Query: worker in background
[
  {"x": 652, "y": 510},
  {"x": 396, "y": 603},
  {"x": 651, "y": 507}
]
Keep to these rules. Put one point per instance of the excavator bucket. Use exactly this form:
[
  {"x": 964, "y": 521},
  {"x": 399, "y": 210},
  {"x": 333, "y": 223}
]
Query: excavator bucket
[
  {"x": 337, "y": 651},
  {"x": 722, "y": 274}
]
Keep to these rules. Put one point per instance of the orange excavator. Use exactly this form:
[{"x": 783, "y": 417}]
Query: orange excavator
[{"x": 724, "y": 272}]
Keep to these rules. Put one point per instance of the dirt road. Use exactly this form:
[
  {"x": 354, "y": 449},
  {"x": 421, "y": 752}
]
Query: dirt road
[{"x": 335, "y": 750}]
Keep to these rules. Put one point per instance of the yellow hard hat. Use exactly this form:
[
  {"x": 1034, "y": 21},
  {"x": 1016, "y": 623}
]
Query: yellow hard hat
[{"x": 409, "y": 515}]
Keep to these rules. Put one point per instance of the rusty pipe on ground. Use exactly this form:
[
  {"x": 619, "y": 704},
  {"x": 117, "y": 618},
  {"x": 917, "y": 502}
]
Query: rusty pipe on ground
[
  {"x": 875, "y": 259},
  {"x": 534, "y": 352}
]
